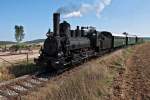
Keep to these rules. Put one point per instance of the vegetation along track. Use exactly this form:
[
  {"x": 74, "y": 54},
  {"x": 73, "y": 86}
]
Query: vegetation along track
[
  {"x": 15, "y": 88},
  {"x": 12, "y": 89},
  {"x": 133, "y": 83}
]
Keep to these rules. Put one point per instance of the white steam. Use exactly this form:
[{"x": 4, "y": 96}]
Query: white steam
[
  {"x": 74, "y": 11},
  {"x": 73, "y": 14}
]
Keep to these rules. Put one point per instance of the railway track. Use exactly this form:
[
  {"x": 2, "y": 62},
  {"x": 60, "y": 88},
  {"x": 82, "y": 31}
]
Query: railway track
[{"x": 15, "y": 88}]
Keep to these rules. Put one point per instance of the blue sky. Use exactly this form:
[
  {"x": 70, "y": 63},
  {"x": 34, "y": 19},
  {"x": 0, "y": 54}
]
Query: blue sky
[{"x": 36, "y": 16}]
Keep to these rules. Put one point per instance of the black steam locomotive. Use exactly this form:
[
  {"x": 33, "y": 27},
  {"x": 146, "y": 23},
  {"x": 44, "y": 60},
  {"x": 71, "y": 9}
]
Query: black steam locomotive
[{"x": 65, "y": 47}]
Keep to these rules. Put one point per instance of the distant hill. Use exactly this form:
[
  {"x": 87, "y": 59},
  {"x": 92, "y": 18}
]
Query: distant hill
[
  {"x": 28, "y": 42},
  {"x": 35, "y": 41},
  {"x": 6, "y": 42},
  {"x": 147, "y": 38}
]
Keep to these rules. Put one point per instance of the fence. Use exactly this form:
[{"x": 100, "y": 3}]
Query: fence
[{"x": 15, "y": 59}]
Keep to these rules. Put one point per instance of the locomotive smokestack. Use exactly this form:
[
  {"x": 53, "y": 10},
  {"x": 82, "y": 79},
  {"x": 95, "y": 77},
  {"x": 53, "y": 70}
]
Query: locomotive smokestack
[
  {"x": 78, "y": 31},
  {"x": 82, "y": 31},
  {"x": 56, "y": 20}
]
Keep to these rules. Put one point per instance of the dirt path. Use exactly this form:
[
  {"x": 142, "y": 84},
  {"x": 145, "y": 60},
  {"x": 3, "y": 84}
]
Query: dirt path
[{"x": 134, "y": 82}]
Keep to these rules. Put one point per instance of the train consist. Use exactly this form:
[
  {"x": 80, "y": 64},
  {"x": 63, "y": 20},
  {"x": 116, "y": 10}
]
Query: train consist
[{"x": 65, "y": 47}]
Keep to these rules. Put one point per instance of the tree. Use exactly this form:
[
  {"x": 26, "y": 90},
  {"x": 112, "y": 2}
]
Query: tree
[{"x": 19, "y": 33}]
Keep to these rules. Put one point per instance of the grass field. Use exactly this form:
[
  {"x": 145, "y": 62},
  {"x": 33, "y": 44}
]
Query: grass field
[
  {"x": 134, "y": 82},
  {"x": 92, "y": 82},
  {"x": 13, "y": 66},
  {"x": 20, "y": 69}
]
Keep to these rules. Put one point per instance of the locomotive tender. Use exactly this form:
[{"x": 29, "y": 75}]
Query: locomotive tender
[{"x": 65, "y": 47}]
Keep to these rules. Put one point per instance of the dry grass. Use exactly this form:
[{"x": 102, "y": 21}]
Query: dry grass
[
  {"x": 22, "y": 68},
  {"x": 136, "y": 83},
  {"x": 16, "y": 65},
  {"x": 93, "y": 82}
]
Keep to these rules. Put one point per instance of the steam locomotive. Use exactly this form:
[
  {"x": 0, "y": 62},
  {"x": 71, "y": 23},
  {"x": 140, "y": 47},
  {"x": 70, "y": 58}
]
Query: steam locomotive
[{"x": 65, "y": 47}]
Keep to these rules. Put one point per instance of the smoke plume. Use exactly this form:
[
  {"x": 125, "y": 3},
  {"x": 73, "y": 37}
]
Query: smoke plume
[{"x": 84, "y": 8}]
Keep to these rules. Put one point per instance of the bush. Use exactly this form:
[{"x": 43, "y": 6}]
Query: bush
[
  {"x": 14, "y": 48},
  {"x": 17, "y": 47}
]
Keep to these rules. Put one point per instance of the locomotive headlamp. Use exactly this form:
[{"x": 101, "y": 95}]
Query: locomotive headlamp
[
  {"x": 60, "y": 54},
  {"x": 94, "y": 34},
  {"x": 57, "y": 62}
]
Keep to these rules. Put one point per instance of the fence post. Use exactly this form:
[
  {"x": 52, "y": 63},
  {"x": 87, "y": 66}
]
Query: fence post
[{"x": 27, "y": 58}]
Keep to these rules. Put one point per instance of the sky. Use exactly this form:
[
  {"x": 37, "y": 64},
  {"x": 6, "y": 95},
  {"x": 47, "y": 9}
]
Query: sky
[{"x": 118, "y": 16}]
